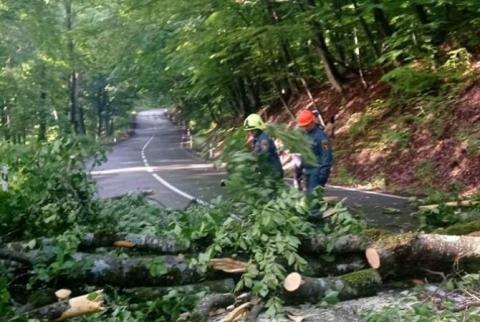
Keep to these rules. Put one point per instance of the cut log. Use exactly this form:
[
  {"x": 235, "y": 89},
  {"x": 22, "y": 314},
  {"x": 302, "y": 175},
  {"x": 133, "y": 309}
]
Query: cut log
[
  {"x": 407, "y": 254},
  {"x": 77, "y": 306},
  {"x": 140, "y": 294},
  {"x": 302, "y": 289},
  {"x": 63, "y": 294},
  {"x": 210, "y": 303}
]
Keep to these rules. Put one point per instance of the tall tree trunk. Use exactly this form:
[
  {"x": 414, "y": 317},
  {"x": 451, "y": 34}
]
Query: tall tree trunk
[
  {"x": 285, "y": 57},
  {"x": 366, "y": 30},
  {"x": 421, "y": 13},
  {"x": 338, "y": 37},
  {"x": 331, "y": 71},
  {"x": 254, "y": 92},
  {"x": 100, "y": 111},
  {"x": 4, "y": 121},
  {"x": 42, "y": 128},
  {"x": 381, "y": 21},
  {"x": 76, "y": 112},
  {"x": 42, "y": 109}
]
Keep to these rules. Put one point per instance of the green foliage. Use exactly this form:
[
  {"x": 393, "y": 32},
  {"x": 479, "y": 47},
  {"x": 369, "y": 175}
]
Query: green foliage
[
  {"x": 50, "y": 189},
  {"x": 399, "y": 138},
  {"x": 361, "y": 126},
  {"x": 132, "y": 213},
  {"x": 412, "y": 81},
  {"x": 445, "y": 215},
  {"x": 294, "y": 141}
]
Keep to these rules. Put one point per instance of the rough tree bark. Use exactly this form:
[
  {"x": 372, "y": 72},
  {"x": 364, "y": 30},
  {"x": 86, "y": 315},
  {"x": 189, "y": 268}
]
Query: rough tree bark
[
  {"x": 141, "y": 294},
  {"x": 210, "y": 303},
  {"x": 157, "y": 245},
  {"x": 331, "y": 71}
]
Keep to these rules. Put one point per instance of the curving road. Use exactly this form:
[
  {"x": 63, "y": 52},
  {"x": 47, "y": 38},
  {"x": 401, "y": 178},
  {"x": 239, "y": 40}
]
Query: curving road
[{"x": 154, "y": 159}]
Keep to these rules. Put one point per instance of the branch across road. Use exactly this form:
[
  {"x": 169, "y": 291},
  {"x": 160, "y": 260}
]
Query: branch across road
[{"x": 154, "y": 159}]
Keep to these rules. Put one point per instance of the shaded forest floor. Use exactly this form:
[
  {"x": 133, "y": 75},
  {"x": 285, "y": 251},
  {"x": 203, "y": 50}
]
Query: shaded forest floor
[{"x": 408, "y": 145}]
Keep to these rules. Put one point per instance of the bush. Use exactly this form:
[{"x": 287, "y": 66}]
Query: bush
[
  {"x": 50, "y": 190},
  {"x": 412, "y": 82}
]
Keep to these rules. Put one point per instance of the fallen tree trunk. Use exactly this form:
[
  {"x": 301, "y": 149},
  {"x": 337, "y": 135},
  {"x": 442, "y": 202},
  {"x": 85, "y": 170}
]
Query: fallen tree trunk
[
  {"x": 140, "y": 294},
  {"x": 410, "y": 253},
  {"x": 157, "y": 245},
  {"x": 209, "y": 303},
  {"x": 343, "y": 244},
  {"x": 99, "y": 270},
  {"x": 338, "y": 266},
  {"x": 15, "y": 256},
  {"x": 77, "y": 306},
  {"x": 302, "y": 289},
  {"x": 135, "y": 271}
]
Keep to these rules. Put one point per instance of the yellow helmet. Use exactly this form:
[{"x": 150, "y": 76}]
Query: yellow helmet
[{"x": 254, "y": 122}]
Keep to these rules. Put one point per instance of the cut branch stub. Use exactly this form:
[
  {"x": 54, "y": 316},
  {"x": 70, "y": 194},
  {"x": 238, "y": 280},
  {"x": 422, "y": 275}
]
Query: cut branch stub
[{"x": 292, "y": 282}]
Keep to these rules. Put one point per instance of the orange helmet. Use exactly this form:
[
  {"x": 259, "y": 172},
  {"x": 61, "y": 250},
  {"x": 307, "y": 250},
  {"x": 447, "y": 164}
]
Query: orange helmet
[{"x": 305, "y": 118}]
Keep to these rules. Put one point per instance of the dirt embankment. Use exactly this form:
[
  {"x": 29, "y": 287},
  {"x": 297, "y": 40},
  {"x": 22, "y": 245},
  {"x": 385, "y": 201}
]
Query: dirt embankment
[{"x": 406, "y": 146}]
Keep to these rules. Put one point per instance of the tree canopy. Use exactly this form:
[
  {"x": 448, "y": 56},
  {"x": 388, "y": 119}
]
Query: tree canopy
[{"x": 81, "y": 66}]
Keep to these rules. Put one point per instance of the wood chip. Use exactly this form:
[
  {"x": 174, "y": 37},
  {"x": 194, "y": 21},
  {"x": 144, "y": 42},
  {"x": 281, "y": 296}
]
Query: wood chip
[
  {"x": 228, "y": 265},
  {"x": 123, "y": 244},
  {"x": 238, "y": 313}
]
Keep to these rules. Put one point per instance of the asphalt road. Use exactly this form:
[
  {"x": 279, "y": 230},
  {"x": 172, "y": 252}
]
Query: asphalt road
[{"x": 154, "y": 159}]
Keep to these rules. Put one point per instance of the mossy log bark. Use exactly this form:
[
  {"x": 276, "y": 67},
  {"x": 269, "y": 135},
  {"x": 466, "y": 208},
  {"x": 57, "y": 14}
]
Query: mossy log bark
[
  {"x": 77, "y": 306},
  {"x": 301, "y": 289},
  {"x": 167, "y": 270},
  {"x": 135, "y": 271},
  {"x": 209, "y": 303},
  {"x": 337, "y": 266},
  {"x": 343, "y": 244},
  {"x": 464, "y": 228},
  {"x": 157, "y": 245},
  {"x": 410, "y": 254},
  {"x": 141, "y": 294},
  {"x": 162, "y": 245}
]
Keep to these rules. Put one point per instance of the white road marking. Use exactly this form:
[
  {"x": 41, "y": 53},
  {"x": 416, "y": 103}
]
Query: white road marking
[{"x": 163, "y": 181}]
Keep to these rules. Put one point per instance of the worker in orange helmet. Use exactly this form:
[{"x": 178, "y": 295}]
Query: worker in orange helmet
[{"x": 316, "y": 175}]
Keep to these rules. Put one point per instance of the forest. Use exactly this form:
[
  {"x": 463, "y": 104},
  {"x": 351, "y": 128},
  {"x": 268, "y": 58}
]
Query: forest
[{"x": 400, "y": 78}]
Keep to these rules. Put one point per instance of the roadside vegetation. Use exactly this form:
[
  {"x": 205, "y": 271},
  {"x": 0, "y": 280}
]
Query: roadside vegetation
[{"x": 400, "y": 77}]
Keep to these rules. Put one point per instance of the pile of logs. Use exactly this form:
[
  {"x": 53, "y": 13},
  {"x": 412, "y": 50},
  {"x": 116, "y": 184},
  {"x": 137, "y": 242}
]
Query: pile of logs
[{"x": 362, "y": 263}]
